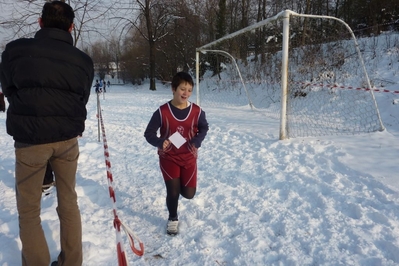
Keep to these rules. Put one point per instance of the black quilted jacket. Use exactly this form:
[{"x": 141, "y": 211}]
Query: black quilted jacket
[{"x": 47, "y": 83}]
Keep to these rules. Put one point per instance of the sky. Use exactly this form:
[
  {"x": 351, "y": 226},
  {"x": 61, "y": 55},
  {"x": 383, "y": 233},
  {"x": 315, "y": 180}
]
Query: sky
[{"x": 331, "y": 200}]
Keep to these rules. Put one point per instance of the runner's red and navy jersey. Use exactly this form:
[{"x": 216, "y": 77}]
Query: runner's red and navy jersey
[{"x": 190, "y": 122}]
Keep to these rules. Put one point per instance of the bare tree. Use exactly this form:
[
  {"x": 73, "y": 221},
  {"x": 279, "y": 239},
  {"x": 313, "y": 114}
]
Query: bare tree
[
  {"x": 19, "y": 18},
  {"x": 150, "y": 20},
  {"x": 175, "y": 50}
]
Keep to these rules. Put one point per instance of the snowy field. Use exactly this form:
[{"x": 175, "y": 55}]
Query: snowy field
[{"x": 260, "y": 201}]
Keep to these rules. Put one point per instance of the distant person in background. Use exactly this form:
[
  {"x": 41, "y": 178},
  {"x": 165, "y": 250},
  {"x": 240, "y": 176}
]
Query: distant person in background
[
  {"x": 47, "y": 82},
  {"x": 97, "y": 86},
  {"x": 105, "y": 86},
  {"x": 183, "y": 127},
  {"x": 109, "y": 84},
  {"x": 2, "y": 103},
  {"x": 101, "y": 85}
]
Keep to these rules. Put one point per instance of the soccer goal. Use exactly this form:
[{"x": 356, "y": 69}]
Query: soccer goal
[{"x": 305, "y": 70}]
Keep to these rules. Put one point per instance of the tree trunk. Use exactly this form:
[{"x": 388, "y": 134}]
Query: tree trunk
[
  {"x": 151, "y": 42},
  {"x": 152, "y": 65}
]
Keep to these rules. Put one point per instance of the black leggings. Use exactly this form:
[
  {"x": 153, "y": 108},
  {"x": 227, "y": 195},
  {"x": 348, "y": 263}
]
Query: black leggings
[
  {"x": 173, "y": 190},
  {"x": 48, "y": 176}
]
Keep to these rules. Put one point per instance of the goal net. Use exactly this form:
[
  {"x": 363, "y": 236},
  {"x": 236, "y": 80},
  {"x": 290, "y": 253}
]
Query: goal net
[{"x": 307, "y": 71}]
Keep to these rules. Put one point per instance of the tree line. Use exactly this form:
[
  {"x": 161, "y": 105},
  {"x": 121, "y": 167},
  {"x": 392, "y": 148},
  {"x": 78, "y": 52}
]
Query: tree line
[{"x": 152, "y": 39}]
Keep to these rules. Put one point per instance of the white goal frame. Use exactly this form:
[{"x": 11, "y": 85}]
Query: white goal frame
[{"x": 285, "y": 16}]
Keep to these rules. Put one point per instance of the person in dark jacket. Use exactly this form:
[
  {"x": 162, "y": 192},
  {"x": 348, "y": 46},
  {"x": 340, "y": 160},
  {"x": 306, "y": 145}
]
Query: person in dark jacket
[
  {"x": 97, "y": 86},
  {"x": 47, "y": 83}
]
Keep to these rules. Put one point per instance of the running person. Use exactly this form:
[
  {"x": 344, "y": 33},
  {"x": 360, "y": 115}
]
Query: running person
[{"x": 178, "y": 164}]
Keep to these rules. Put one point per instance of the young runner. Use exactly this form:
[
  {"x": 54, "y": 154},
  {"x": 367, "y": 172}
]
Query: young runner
[{"x": 183, "y": 127}]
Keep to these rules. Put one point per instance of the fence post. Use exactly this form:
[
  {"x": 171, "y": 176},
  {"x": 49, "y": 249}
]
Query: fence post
[
  {"x": 284, "y": 75},
  {"x": 98, "y": 116}
]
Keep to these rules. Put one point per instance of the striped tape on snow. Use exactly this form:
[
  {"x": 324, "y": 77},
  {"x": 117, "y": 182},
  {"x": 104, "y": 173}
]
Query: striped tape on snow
[{"x": 122, "y": 261}]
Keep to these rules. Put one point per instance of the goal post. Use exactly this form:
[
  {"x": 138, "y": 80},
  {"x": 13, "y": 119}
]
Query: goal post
[{"x": 301, "y": 69}]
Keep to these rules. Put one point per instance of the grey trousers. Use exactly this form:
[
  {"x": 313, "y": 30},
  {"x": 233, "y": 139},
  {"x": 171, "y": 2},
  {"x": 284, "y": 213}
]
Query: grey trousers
[{"x": 30, "y": 166}]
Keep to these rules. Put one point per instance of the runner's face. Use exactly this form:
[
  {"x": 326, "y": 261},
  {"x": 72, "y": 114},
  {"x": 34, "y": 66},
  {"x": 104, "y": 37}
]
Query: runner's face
[{"x": 182, "y": 93}]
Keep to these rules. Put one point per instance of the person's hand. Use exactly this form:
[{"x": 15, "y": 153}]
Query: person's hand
[{"x": 165, "y": 144}]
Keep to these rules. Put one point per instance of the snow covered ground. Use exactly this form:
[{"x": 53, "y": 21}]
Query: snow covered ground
[{"x": 260, "y": 201}]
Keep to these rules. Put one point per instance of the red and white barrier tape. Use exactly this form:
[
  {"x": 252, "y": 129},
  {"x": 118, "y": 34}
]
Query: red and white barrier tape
[
  {"x": 304, "y": 83},
  {"x": 122, "y": 261},
  {"x": 343, "y": 87}
]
